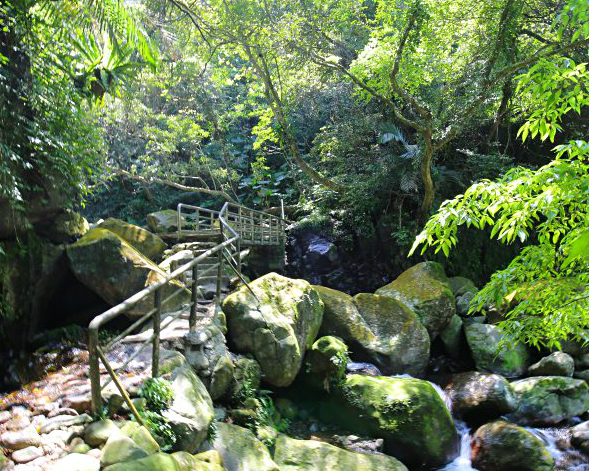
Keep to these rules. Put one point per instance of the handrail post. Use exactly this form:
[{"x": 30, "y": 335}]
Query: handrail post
[
  {"x": 238, "y": 245},
  {"x": 194, "y": 299},
  {"x": 179, "y": 222},
  {"x": 157, "y": 317},
  {"x": 220, "y": 268},
  {"x": 94, "y": 372}
]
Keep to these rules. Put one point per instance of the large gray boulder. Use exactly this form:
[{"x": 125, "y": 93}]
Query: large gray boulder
[
  {"x": 549, "y": 400},
  {"x": 501, "y": 446},
  {"x": 150, "y": 245},
  {"x": 484, "y": 343},
  {"x": 240, "y": 450},
  {"x": 191, "y": 411},
  {"x": 424, "y": 288},
  {"x": 407, "y": 413},
  {"x": 276, "y": 322},
  {"x": 311, "y": 455},
  {"x": 480, "y": 397},
  {"x": 378, "y": 329},
  {"x": 555, "y": 364},
  {"x": 165, "y": 220}
]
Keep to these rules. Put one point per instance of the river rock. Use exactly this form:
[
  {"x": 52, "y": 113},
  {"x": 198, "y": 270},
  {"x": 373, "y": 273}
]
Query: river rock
[
  {"x": 163, "y": 221},
  {"x": 548, "y": 400},
  {"x": 483, "y": 341},
  {"x": 21, "y": 439},
  {"x": 192, "y": 409},
  {"x": 155, "y": 462},
  {"x": 76, "y": 462},
  {"x": 580, "y": 437},
  {"x": 27, "y": 454},
  {"x": 424, "y": 288},
  {"x": 378, "y": 329},
  {"x": 555, "y": 364},
  {"x": 120, "y": 448},
  {"x": 240, "y": 450},
  {"x": 188, "y": 462},
  {"x": 501, "y": 446},
  {"x": 480, "y": 397},
  {"x": 451, "y": 337},
  {"x": 140, "y": 436},
  {"x": 150, "y": 245},
  {"x": 277, "y": 327},
  {"x": 97, "y": 433},
  {"x": 461, "y": 285},
  {"x": 407, "y": 413},
  {"x": 311, "y": 455}
]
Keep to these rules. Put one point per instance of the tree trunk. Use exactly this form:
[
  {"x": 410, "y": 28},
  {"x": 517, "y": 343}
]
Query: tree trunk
[{"x": 426, "y": 178}]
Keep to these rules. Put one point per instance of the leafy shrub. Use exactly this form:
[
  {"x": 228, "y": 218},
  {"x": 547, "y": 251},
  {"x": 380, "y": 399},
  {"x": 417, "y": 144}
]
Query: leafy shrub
[{"x": 158, "y": 394}]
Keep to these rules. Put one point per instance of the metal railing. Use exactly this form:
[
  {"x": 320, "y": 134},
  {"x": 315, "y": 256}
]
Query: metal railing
[{"x": 232, "y": 227}]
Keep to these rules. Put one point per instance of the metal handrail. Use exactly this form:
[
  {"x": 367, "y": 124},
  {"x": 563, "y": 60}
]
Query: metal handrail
[{"x": 229, "y": 238}]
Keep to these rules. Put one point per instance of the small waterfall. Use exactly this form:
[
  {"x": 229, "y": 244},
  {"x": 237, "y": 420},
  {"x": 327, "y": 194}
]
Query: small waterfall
[{"x": 558, "y": 443}]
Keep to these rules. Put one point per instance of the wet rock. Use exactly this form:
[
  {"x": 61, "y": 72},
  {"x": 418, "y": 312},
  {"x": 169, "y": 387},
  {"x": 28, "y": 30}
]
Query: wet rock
[
  {"x": 501, "y": 446},
  {"x": 480, "y": 397},
  {"x": 76, "y": 462},
  {"x": 580, "y": 437},
  {"x": 277, "y": 327},
  {"x": 555, "y": 364},
  {"x": 424, "y": 288},
  {"x": 366, "y": 369},
  {"x": 407, "y": 413},
  {"x": 151, "y": 245},
  {"x": 583, "y": 374},
  {"x": 484, "y": 343},
  {"x": 155, "y": 462},
  {"x": 240, "y": 450},
  {"x": 192, "y": 409},
  {"x": 549, "y": 400},
  {"x": 378, "y": 329},
  {"x": 27, "y": 454},
  {"x": 97, "y": 433},
  {"x": 311, "y": 455},
  {"x": 120, "y": 448},
  {"x": 21, "y": 439}
]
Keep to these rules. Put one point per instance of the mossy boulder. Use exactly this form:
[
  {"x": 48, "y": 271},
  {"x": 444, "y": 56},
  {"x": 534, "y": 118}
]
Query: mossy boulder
[
  {"x": 114, "y": 269},
  {"x": 502, "y": 446},
  {"x": 155, "y": 462},
  {"x": 246, "y": 377},
  {"x": 378, "y": 329},
  {"x": 461, "y": 285},
  {"x": 188, "y": 462},
  {"x": 120, "y": 448},
  {"x": 407, "y": 413},
  {"x": 141, "y": 436},
  {"x": 424, "y": 288},
  {"x": 555, "y": 364},
  {"x": 311, "y": 455},
  {"x": 480, "y": 397},
  {"x": 163, "y": 221},
  {"x": 240, "y": 450},
  {"x": 484, "y": 342},
  {"x": 451, "y": 337},
  {"x": 150, "y": 245},
  {"x": 191, "y": 411},
  {"x": 66, "y": 227},
  {"x": 549, "y": 400},
  {"x": 325, "y": 362},
  {"x": 276, "y": 326}
]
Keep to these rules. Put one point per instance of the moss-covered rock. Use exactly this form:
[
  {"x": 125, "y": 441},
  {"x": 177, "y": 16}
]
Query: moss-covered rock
[
  {"x": 480, "y": 397},
  {"x": 484, "y": 343},
  {"x": 141, "y": 436},
  {"x": 97, "y": 433},
  {"x": 66, "y": 227},
  {"x": 501, "y": 446},
  {"x": 240, "y": 450},
  {"x": 325, "y": 362},
  {"x": 378, "y": 329},
  {"x": 192, "y": 409},
  {"x": 424, "y": 288},
  {"x": 188, "y": 462},
  {"x": 451, "y": 337},
  {"x": 407, "y": 413},
  {"x": 156, "y": 462},
  {"x": 555, "y": 364},
  {"x": 151, "y": 245},
  {"x": 163, "y": 221},
  {"x": 247, "y": 378},
  {"x": 311, "y": 455},
  {"x": 548, "y": 400},
  {"x": 461, "y": 285},
  {"x": 276, "y": 326},
  {"x": 120, "y": 448}
]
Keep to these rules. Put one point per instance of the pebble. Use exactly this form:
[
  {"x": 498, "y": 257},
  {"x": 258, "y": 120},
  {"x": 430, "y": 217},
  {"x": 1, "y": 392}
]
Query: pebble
[
  {"x": 61, "y": 421},
  {"x": 27, "y": 454},
  {"x": 62, "y": 411},
  {"x": 78, "y": 402},
  {"x": 21, "y": 439},
  {"x": 4, "y": 416}
]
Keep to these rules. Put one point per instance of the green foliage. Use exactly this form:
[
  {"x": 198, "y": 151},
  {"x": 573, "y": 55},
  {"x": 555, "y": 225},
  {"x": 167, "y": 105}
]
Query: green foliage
[
  {"x": 160, "y": 427},
  {"x": 268, "y": 416},
  {"x": 158, "y": 394}
]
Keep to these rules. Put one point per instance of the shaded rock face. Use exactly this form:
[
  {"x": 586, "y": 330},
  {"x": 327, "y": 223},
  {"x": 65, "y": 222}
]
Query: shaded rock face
[
  {"x": 378, "y": 329},
  {"x": 480, "y": 397},
  {"x": 461, "y": 285},
  {"x": 240, "y": 450},
  {"x": 163, "y": 221},
  {"x": 501, "y": 446},
  {"x": 555, "y": 364},
  {"x": 311, "y": 455},
  {"x": 66, "y": 227},
  {"x": 150, "y": 245},
  {"x": 424, "y": 288},
  {"x": 407, "y": 413},
  {"x": 483, "y": 341},
  {"x": 277, "y": 327},
  {"x": 549, "y": 400},
  {"x": 325, "y": 362}
]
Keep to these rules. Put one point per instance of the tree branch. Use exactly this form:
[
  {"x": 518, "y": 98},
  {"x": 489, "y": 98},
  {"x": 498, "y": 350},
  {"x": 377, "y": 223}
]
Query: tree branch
[{"x": 179, "y": 186}]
